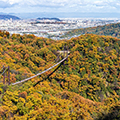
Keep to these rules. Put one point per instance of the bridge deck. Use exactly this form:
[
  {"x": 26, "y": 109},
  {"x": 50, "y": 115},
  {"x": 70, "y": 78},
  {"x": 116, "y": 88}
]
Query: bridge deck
[{"x": 41, "y": 72}]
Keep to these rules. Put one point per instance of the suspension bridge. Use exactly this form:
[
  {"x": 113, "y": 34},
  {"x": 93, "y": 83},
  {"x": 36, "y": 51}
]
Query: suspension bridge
[{"x": 24, "y": 80}]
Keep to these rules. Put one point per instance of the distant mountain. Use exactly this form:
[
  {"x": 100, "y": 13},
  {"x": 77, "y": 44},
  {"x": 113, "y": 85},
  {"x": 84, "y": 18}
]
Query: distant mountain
[
  {"x": 57, "y": 19},
  {"x": 57, "y": 14},
  {"x": 4, "y": 17}
]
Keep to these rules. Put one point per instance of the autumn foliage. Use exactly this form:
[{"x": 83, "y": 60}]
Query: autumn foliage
[
  {"x": 86, "y": 87},
  {"x": 107, "y": 30}
]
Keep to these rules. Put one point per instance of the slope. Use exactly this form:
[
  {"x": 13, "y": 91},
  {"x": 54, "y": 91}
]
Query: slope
[
  {"x": 6, "y": 17},
  {"x": 107, "y": 30},
  {"x": 86, "y": 87}
]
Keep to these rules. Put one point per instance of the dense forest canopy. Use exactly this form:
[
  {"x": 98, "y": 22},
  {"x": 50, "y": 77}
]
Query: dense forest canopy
[{"x": 86, "y": 87}]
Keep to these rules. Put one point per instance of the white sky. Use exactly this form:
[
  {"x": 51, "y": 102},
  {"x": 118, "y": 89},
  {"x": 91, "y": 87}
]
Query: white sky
[{"x": 59, "y": 6}]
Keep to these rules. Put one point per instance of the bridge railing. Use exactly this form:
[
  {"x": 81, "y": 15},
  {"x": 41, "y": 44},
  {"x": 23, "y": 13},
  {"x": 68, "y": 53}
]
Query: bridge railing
[
  {"x": 7, "y": 75},
  {"x": 41, "y": 72}
]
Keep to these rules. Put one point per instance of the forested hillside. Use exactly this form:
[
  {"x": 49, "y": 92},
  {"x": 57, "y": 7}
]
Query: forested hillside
[
  {"x": 107, "y": 30},
  {"x": 86, "y": 87}
]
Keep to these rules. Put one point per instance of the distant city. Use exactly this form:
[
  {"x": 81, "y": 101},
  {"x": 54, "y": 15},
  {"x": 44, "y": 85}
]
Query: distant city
[{"x": 51, "y": 27}]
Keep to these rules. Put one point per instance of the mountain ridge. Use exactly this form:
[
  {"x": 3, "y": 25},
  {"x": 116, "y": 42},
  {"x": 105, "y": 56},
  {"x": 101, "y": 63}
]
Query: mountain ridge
[
  {"x": 5, "y": 17},
  {"x": 46, "y": 18},
  {"x": 107, "y": 30}
]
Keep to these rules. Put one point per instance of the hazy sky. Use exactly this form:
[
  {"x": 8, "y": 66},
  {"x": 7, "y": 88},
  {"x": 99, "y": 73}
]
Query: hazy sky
[{"x": 59, "y": 6}]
